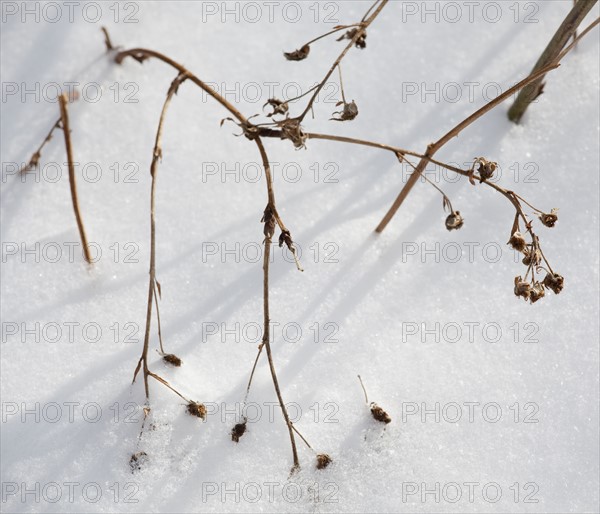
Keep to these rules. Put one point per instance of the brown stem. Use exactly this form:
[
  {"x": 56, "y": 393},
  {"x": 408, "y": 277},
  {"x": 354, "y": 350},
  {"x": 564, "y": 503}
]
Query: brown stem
[
  {"x": 64, "y": 117},
  {"x": 35, "y": 157},
  {"x": 156, "y": 156},
  {"x": 434, "y": 147},
  {"x": 267, "y": 345},
  {"x": 107, "y": 41},
  {"x": 549, "y": 55},
  {"x": 363, "y": 27}
]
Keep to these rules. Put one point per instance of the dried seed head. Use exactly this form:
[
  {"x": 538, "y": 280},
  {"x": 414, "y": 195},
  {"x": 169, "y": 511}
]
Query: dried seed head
[
  {"x": 534, "y": 257},
  {"x": 454, "y": 221},
  {"x": 238, "y": 431},
  {"x": 197, "y": 409},
  {"x": 522, "y": 288},
  {"x": 323, "y": 460},
  {"x": 279, "y": 107},
  {"x": 549, "y": 220},
  {"x": 291, "y": 129},
  {"x": 537, "y": 292},
  {"x": 379, "y": 414},
  {"x": 517, "y": 241},
  {"x": 554, "y": 281},
  {"x": 349, "y": 112},
  {"x": 269, "y": 220},
  {"x": 137, "y": 460},
  {"x": 486, "y": 168},
  {"x": 298, "y": 55},
  {"x": 361, "y": 42},
  {"x": 172, "y": 359}
]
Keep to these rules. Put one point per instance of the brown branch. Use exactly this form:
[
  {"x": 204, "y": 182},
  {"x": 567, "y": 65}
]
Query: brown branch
[
  {"x": 359, "y": 33},
  {"x": 156, "y": 157},
  {"x": 576, "y": 40},
  {"x": 434, "y": 147},
  {"x": 550, "y": 55},
  {"x": 35, "y": 157},
  {"x": 107, "y": 41},
  {"x": 267, "y": 345},
  {"x": 64, "y": 120}
]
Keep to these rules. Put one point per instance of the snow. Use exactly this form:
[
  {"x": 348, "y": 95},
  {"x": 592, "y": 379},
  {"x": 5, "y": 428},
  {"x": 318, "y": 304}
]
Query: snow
[{"x": 524, "y": 378}]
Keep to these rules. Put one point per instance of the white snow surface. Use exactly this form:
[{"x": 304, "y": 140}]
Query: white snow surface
[{"x": 523, "y": 379}]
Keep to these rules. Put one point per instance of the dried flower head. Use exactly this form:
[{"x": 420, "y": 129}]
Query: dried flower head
[
  {"x": 349, "y": 112},
  {"x": 298, "y": 55},
  {"x": 137, "y": 460},
  {"x": 454, "y": 221},
  {"x": 238, "y": 431},
  {"x": 361, "y": 42},
  {"x": 269, "y": 220},
  {"x": 279, "y": 107},
  {"x": 517, "y": 241},
  {"x": 291, "y": 129},
  {"x": 323, "y": 460},
  {"x": 549, "y": 220},
  {"x": 172, "y": 359},
  {"x": 522, "y": 288},
  {"x": 197, "y": 409},
  {"x": 532, "y": 257},
  {"x": 486, "y": 168},
  {"x": 537, "y": 292},
  {"x": 379, "y": 414},
  {"x": 554, "y": 281}
]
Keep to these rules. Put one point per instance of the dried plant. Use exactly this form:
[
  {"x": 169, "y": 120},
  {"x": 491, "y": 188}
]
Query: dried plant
[{"x": 528, "y": 285}]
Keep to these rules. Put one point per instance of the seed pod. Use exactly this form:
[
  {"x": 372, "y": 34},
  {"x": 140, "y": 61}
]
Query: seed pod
[
  {"x": 379, "y": 414},
  {"x": 517, "y": 241},
  {"x": 454, "y": 221},
  {"x": 522, "y": 288},
  {"x": 137, "y": 460},
  {"x": 554, "y": 281},
  {"x": 549, "y": 220},
  {"x": 197, "y": 409},
  {"x": 349, "y": 112},
  {"x": 323, "y": 460},
  {"x": 486, "y": 168},
  {"x": 534, "y": 256},
  {"x": 361, "y": 42},
  {"x": 269, "y": 220},
  {"x": 298, "y": 55},
  {"x": 172, "y": 359},
  {"x": 537, "y": 292},
  {"x": 279, "y": 107},
  {"x": 238, "y": 431}
]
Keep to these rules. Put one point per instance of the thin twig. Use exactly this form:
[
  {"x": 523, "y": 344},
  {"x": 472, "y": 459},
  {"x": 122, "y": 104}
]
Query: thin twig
[
  {"x": 363, "y": 388},
  {"x": 64, "y": 117},
  {"x": 359, "y": 33},
  {"x": 434, "y": 147},
  {"x": 156, "y": 157},
  {"x": 35, "y": 157}
]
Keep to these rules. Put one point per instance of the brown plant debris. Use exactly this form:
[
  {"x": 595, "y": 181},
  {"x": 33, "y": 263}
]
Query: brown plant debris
[
  {"x": 197, "y": 409},
  {"x": 323, "y": 460},
  {"x": 298, "y": 55}
]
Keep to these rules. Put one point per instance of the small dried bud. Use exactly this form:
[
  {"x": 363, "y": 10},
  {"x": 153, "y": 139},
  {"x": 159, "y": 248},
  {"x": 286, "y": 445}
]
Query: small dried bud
[
  {"x": 197, "y": 409},
  {"x": 554, "y": 281},
  {"x": 348, "y": 114},
  {"x": 534, "y": 257},
  {"x": 522, "y": 288},
  {"x": 298, "y": 55},
  {"x": 517, "y": 241},
  {"x": 172, "y": 359},
  {"x": 379, "y": 414},
  {"x": 537, "y": 292},
  {"x": 137, "y": 460},
  {"x": 279, "y": 107},
  {"x": 454, "y": 221},
  {"x": 486, "y": 168},
  {"x": 549, "y": 220},
  {"x": 238, "y": 431},
  {"x": 323, "y": 460},
  {"x": 361, "y": 42},
  {"x": 269, "y": 220}
]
